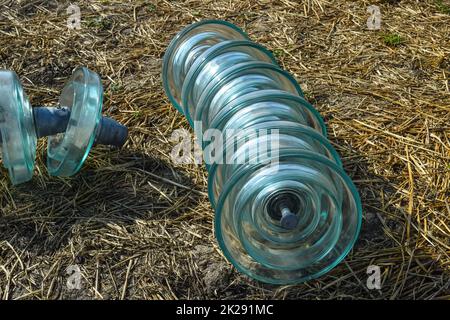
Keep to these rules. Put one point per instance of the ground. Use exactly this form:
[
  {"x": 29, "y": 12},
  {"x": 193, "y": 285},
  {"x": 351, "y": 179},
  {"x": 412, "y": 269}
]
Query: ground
[{"x": 139, "y": 226}]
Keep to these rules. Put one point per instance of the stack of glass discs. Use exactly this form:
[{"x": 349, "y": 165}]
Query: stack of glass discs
[
  {"x": 285, "y": 210},
  {"x": 83, "y": 96},
  {"x": 18, "y": 137}
]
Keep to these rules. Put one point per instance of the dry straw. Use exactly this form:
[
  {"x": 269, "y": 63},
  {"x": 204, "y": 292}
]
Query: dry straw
[{"x": 140, "y": 226}]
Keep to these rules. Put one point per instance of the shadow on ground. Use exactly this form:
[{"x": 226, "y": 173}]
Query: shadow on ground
[{"x": 46, "y": 215}]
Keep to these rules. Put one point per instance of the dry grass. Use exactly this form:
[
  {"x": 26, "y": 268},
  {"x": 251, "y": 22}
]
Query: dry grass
[{"x": 140, "y": 227}]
